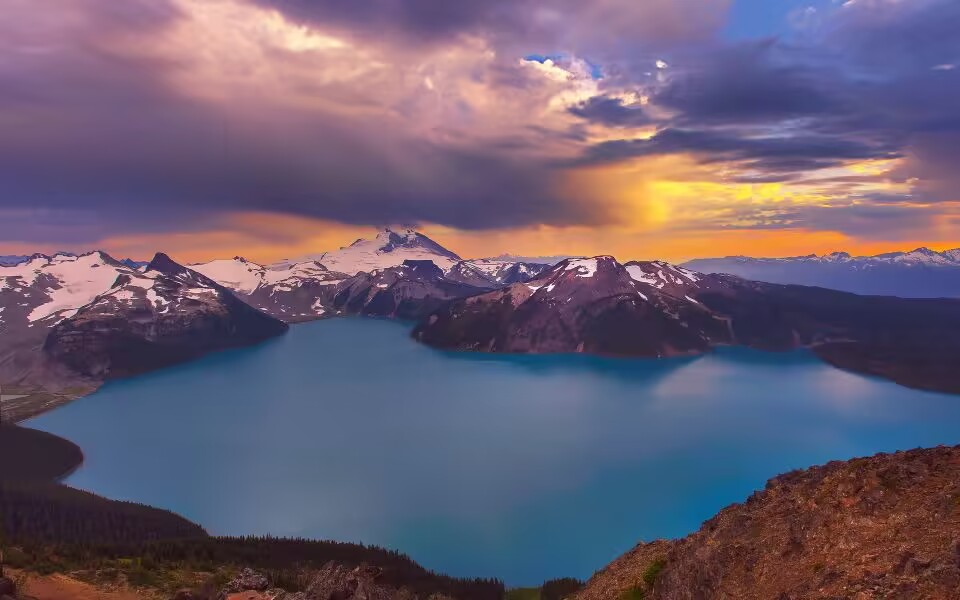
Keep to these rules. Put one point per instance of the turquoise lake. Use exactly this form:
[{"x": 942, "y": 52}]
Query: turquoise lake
[{"x": 522, "y": 468}]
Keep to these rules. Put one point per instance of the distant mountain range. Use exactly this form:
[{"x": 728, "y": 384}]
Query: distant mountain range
[
  {"x": 12, "y": 259},
  {"x": 921, "y": 273},
  {"x": 396, "y": 274},
  {"x": 68, "y": 322}
]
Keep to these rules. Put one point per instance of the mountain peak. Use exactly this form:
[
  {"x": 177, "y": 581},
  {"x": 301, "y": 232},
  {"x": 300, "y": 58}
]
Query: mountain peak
[
  {"x": 403, "y": 231},
  {"x": 390, "y": 247},
  {"x": 162, "y": 263}
]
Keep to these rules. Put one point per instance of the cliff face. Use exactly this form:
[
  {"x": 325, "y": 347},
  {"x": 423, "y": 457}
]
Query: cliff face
[{"x": 882, "y": 527}]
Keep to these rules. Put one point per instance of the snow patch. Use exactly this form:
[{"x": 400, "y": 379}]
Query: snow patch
[{"x": 584, "y": 267}]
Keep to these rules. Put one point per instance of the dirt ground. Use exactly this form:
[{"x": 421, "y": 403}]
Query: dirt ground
[{"x": 62, "y": 587}]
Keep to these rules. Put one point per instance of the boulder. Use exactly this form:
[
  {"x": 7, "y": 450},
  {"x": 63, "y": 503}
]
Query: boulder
[{"x": 247, "y": 580}]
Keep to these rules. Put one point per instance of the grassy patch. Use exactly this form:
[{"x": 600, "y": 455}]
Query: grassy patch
[
  {"x": 634, "y": 593},
  {"x": 653, "y": 571}
]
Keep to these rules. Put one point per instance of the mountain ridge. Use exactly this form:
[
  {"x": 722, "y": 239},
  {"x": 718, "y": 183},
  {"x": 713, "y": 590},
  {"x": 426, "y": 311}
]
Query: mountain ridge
[
  {"x": 919, "y": 273},
  {"x": 654, "y": 309},
  {"x": 641, "y": 308}
]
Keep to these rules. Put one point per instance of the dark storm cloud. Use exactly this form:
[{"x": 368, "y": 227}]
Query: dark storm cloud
[
  {"x": 898, "y": 37},
  {"x": 187, "y": 161},
  {"x": 881, "y": 81},
  {"x": 787, "y": 153},
  {"x": 86, "y": 127},
  {"x": 747, "y": 83},
  {"x": 96, "y": 133},
  {"x": 602, "y": 28},
  {"x": 611, "y": 112},
  {"x": 865, "y": 220},
  {"x": 418, "y": 18},
  {"x": 912, "y": 51}
]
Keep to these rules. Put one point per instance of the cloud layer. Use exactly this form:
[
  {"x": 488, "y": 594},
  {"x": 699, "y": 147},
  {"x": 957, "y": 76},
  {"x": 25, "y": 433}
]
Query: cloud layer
[{"x": 153, "y": 117}]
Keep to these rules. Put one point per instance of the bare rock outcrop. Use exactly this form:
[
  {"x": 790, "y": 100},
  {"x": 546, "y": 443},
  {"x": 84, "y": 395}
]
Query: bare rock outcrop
[{"x": 881, "y": 527}]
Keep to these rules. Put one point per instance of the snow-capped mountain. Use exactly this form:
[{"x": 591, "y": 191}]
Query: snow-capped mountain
[
  {"x": 54, "y": 287},
  {"x": 67, "y": 322},
  {"x": 389, "y": 248},
  {"x": 297, "y": 292},
  {"x": 495, "y": 272},
  {"x": 600, "y": 306},
  {"x": 300, "y": 291},
  {"x": 292, "y": 292},
  {"x": 594, "y": 305},
  {"x": 920, "y": 273},
  {"x": 163, "y": 315}
]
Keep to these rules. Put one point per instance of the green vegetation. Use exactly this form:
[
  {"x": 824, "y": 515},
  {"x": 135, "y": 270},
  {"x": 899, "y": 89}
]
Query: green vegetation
[
  {"x": 555, "y": 589},
  {"x": 558, "y": 589},
  {"x": 650, "y": 575},
  {"x": 49, "y": 513},
  {"x": 52, "y": 528},
  {"x": 653, "y": 571},
  {"x": 634, "y": 593}
]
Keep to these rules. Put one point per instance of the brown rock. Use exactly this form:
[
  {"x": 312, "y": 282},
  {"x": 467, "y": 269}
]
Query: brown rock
[
  {"x": 247, "y": 580},
  {"x": 867, "y": 528}
]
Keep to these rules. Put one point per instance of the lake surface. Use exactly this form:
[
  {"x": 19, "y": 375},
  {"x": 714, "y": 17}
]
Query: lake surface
[{"x": 523, "y": 468}]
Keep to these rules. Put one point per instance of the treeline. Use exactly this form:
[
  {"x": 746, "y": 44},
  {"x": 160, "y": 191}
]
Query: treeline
[
  {"x": 31, "y": 455},
  {"x": 64, "y": 529},
  {"x": 55, "y": 514},
  {"x": 287, "y": 559}
]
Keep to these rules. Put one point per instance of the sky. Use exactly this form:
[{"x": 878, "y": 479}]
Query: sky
[{"x": 667, "y": 129}]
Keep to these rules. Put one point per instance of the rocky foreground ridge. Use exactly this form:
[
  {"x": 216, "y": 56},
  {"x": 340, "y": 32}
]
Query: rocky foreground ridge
[{"x": 885, "y": 527}]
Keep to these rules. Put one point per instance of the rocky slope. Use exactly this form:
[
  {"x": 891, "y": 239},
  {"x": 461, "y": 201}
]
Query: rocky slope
[
  {"x": 655, "y": 309},
  {"x": 581, "y": 305},
  {"x": 161, "y": 316},
  {"x": 292, "y": 292},
  {"x": 408, "y": 291},
  {"x": 920, "y": 273},
  {"x": 491, "y": 273},
  {"x": 35, "y": 295},
  {"x": 332, "y": 581},
  {"x": 882, "y": 527}
]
